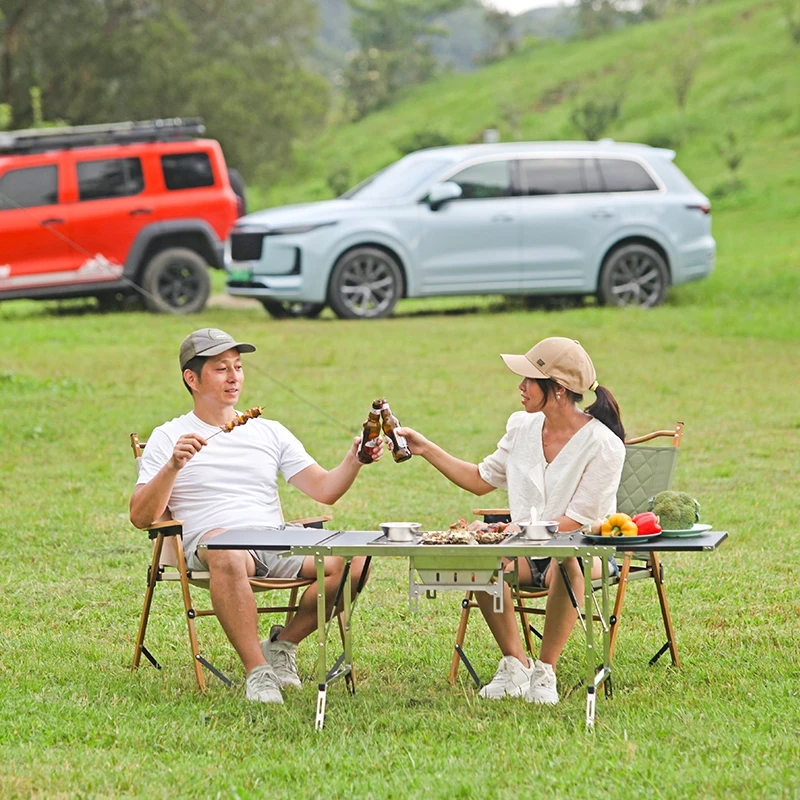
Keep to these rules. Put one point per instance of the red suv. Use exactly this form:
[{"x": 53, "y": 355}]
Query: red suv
[{"x": 106, "y": 210}]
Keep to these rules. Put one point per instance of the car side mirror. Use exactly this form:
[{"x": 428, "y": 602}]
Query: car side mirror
[{"x": 442, "y": 193}]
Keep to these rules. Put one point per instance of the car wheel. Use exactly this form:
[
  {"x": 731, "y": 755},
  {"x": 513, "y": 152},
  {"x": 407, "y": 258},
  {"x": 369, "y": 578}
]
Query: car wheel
[
  {"x": 176, "y": 281},
  {"x": 633, "y": 275},
  {"x": 286, "y": 309},
  {"x": 366, "y": 283}
]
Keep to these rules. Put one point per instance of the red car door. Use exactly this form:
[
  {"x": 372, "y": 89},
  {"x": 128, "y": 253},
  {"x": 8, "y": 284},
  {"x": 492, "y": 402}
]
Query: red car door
[
  {"x": 34, "y": 234},
  {"x": 109, "y": 206}
]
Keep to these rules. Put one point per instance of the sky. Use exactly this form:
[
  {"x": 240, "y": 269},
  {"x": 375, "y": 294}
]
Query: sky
[{"x": 517, "y": 6}]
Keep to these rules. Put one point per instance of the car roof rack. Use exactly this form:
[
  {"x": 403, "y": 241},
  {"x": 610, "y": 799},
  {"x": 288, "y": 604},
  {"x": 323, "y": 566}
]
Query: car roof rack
[{"x": 39, "y": 140}]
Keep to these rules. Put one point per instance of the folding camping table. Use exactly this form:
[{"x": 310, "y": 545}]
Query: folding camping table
[{"x": 433, "y": 568}]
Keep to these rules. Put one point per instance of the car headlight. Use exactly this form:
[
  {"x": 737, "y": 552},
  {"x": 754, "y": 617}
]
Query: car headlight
[{"x": 289, "y": 229}]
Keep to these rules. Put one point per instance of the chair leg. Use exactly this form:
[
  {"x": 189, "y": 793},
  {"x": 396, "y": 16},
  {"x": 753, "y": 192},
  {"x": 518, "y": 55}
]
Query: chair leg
[
  {"x": 523, "y": 618},
  {"x": 662, "y": 599},
  {"x": 292, "y": 602},
  {"x": 460, "y": 635},
  {"x": 617, "y": 613},
  {"x": 148, "y": 599},
  {"x": 187, "y": 604}
]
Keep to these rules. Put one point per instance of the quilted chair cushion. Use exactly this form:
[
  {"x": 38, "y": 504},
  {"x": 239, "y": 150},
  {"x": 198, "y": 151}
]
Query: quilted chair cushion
[{"x": 647, "y": 471}]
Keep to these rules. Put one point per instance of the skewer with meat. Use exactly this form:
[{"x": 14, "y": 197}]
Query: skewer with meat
[{"x": 239, "y": 419}]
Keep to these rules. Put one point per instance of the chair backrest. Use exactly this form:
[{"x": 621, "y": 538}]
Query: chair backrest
[{"x": 647, "y": 470}]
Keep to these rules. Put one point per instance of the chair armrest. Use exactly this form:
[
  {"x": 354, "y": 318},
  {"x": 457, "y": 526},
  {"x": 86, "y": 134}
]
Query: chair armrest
[
  {"x": 169, "y": 527},
  {"x": 493, "y": 514},
  {"x": 313, "y": 522}
]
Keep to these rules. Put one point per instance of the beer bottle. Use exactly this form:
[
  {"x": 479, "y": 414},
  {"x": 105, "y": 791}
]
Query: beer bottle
[
  {"x": 400, "y": 451},
  {"x": 370, "y": 433}
]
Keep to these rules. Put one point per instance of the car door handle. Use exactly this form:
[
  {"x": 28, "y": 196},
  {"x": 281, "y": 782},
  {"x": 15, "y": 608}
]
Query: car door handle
[
  {"x": 138, "y": 212},
  {"x": 53, "y": 221},
  {"x": 602, "y": 213},
  {"x": 502, "y": 218}
]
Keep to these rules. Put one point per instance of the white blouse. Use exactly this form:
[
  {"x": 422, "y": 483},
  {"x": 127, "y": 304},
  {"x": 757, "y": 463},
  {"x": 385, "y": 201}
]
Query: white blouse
[{"x": 580, "y": 483}]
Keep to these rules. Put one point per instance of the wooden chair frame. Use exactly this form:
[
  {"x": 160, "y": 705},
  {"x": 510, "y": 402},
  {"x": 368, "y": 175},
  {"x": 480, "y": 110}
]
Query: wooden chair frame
[
  {"x": 648, "y": 566},
  {"x": 168, "y": 564}
]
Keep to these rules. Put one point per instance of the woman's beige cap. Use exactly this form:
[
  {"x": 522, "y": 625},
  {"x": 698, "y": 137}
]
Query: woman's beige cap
[{"x": 560, "y": 359}]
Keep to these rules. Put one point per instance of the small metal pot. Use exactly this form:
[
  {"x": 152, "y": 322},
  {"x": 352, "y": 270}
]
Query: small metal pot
[
  {"x": 541, "y": 530},
  {"x": 400, "y": 531}
]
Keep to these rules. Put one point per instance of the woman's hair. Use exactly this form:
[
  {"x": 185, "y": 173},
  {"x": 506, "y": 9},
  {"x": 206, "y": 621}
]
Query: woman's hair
[
  {"x": 196, "y": 366},
  {"x": 605, "y": 408}
]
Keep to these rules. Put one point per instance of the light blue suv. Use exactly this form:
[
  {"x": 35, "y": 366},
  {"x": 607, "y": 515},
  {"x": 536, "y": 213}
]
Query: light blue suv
[{"x": 619, "y": 221}]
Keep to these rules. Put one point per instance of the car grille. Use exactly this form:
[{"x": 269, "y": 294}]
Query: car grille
[{"x": 246, "y": 246}]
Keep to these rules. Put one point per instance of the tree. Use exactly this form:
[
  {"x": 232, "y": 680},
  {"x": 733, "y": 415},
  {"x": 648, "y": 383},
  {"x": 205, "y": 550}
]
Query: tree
[
  {"x": 684, "y": 59},
  {"x": 237, "y": 63},
  {"x": 393, "y": 48},
  {"x": 502, "y": 41}
]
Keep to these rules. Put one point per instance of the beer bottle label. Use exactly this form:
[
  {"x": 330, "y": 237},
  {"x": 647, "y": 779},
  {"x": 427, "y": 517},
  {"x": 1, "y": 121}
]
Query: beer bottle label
[{"x": 399, "y": 440}]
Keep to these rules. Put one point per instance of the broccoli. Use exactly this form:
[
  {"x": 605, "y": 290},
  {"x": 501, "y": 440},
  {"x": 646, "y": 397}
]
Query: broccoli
[{"x": 676, "y": 510}]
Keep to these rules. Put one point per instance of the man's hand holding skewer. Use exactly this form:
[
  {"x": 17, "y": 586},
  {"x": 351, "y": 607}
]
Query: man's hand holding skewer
[{"x": 186, "y": 448}]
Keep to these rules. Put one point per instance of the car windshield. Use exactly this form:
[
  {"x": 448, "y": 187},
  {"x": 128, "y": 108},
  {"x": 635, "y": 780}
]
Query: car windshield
[{"x": 397, "y": 179}]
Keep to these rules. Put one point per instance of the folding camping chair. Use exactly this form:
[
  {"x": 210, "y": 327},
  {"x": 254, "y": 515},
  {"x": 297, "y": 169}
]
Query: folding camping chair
[
  {"x": 169, "y": 565},
  {"x": 647, "y": 471}
]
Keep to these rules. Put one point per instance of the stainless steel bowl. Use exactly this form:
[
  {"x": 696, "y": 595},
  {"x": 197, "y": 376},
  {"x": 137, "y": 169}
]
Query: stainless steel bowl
[
  {"x": 400, "y": 531},
  {"x": 541, "y": 530}
]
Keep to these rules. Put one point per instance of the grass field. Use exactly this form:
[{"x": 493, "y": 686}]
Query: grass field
[{"x": 722, "y": 356}]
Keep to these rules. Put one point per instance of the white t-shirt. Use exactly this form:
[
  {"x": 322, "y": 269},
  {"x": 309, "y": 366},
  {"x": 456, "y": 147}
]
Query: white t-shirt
[
  {"x": 233, "y": 481},
  {"x": 580, "y": 483}
]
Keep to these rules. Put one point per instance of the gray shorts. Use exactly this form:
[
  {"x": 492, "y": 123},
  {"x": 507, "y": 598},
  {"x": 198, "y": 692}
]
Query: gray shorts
[{"x": 269, "y": 563}]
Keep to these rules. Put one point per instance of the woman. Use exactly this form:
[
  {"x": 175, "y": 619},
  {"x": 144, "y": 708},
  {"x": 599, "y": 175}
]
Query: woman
[{"x": 561, "y": 461}]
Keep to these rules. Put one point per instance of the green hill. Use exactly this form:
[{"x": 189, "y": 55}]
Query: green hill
[{"x": 745, "y": 83}]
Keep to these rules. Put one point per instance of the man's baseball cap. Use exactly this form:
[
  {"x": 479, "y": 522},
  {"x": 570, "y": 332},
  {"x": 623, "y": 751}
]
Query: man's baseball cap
[
  {"x": 210, "y": 342},
  {"x": 562, "y": 360}
]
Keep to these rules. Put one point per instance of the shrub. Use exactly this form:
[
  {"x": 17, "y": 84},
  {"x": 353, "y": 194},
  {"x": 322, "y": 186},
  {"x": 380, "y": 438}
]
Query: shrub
[{"x": 419, "y": 140}]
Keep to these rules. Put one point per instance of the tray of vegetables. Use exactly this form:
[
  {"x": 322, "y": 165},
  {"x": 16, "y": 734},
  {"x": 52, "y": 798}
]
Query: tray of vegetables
[{"x": 644, "y": 527}]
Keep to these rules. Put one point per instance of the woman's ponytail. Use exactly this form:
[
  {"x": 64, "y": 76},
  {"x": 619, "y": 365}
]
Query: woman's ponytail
[{"x": 606, "y": 409}]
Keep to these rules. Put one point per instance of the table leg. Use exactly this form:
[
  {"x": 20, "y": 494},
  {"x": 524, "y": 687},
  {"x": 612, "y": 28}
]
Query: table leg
[
  {"x": 606, "y": 628},
  {"x": 347, "y": 613},
  {"x": 589, "y": 629},
  {"x": 322, "y": 630}
]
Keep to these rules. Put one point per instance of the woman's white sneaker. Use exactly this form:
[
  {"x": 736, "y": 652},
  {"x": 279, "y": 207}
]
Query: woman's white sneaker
[
  {"x": 542, "y": 688},
  {"x": 510, "y": 680}
]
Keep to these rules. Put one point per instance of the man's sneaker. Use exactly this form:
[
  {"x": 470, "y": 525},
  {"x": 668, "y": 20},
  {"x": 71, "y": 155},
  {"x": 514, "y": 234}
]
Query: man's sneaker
[
  {"x": 262, "y": 685},
  {"x": 282, "y": 657},
  {"x": 510, "y": 680},
  {"x": 543, "y": 685}
]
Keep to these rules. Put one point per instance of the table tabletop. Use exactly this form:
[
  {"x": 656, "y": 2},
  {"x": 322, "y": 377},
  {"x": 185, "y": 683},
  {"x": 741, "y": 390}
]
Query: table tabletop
[{"x": 314, "y": 541}]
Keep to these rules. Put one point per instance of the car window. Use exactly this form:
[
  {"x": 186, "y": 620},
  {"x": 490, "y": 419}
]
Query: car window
[
  {"x": 592, "y": 179},
  {"x": 552, "y": 176},
  {"x": 187, "y": 170},
  {"x": 622, "y": 175},
  {"x": 25, "y": 188},
  {"x": 398, "y": 179},
  {"x": 490, "y": 179},
  {"x": 114, "y": 177}
]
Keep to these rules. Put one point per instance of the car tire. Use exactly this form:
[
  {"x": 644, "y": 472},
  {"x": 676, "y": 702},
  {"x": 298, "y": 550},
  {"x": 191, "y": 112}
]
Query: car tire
[
  {"x": 365, "y": 283},
  {"x": 633, "y": 275},
  {"x": 286, "y": 309},
  {"x": 176, "y": 281}
]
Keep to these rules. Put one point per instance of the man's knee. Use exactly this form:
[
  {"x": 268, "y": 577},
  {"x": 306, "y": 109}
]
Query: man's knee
[{"x": 229, "y": 562}]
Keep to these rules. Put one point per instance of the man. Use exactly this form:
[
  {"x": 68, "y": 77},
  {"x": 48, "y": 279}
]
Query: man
[{"x": 230, "y": 481}]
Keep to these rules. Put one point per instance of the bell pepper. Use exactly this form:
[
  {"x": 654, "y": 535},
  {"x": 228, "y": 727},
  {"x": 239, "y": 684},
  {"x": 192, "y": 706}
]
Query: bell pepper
[
  {"x": 647, "y": 523},
  {"x": 619, "y": 525}
]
